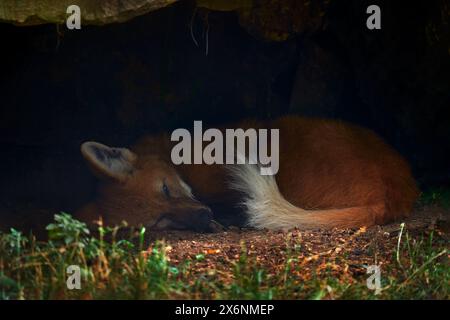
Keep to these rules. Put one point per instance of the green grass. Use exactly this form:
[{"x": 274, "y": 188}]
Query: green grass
[{"x": 121, "y": 269}]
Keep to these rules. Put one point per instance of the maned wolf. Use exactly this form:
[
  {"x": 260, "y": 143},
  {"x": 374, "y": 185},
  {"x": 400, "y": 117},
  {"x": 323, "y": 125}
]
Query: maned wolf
[{"x": 331, "y": 174}]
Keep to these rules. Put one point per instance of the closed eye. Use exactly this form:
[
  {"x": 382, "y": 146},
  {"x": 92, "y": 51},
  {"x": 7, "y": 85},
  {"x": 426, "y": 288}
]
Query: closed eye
[{"x": 166, "y": 190}]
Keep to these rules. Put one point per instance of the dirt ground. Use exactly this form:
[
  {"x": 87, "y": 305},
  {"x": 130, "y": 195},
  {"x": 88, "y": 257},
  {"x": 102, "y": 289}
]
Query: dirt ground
[{"x": 346, "y": 252}]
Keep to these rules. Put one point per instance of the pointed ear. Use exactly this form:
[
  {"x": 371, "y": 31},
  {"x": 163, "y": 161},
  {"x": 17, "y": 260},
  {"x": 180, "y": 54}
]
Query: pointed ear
[{"x": 106, "y": 162}]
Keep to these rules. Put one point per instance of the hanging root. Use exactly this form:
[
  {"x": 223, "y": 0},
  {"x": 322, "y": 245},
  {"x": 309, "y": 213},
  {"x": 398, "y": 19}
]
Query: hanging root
[
  {"x": 192, "y": 27},
  {"x": 205, "y": 33}
]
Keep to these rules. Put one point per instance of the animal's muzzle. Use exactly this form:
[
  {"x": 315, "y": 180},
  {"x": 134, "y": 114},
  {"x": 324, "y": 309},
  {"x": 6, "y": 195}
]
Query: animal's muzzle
[{"x": 201, "y": 220}]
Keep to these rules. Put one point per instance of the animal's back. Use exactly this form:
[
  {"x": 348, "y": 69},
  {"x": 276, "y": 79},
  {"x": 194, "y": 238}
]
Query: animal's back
[{"x": 332, "y": 164}]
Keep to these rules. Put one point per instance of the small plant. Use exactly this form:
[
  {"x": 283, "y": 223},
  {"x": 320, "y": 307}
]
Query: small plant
[
  {"x": 250, "y": 282},
  {"x": 67, "y": 229},
  {"x": 14, "y": 241},
  {"x": 436, "y": 196}
]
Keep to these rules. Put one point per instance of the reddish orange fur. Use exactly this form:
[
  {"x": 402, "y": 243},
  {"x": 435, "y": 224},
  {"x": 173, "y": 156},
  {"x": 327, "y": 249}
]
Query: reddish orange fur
[
  {"x": 138, "y": 200},
  {"x": 340, "y": 165},
  {"x": 324, "y": 164}
]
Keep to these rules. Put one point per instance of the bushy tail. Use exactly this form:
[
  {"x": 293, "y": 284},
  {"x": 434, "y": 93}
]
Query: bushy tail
[{"x": 267, "y": 208}]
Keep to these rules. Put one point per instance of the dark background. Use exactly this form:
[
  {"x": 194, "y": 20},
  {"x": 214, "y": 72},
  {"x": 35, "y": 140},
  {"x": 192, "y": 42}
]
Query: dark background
[{"x": 114, "y": 83}]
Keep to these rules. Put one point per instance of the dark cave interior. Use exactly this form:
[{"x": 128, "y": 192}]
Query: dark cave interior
[{"x": 164, "y": 69}]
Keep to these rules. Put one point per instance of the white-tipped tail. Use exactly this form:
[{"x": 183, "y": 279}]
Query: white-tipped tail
[{"x": 267, "y": 208}]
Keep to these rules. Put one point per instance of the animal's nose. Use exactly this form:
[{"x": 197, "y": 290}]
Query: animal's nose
[{"x": 202, "y": 219}]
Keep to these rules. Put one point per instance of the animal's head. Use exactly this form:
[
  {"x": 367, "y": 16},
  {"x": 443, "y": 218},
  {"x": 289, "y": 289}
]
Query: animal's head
[{"x": 143, "y": 190}]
